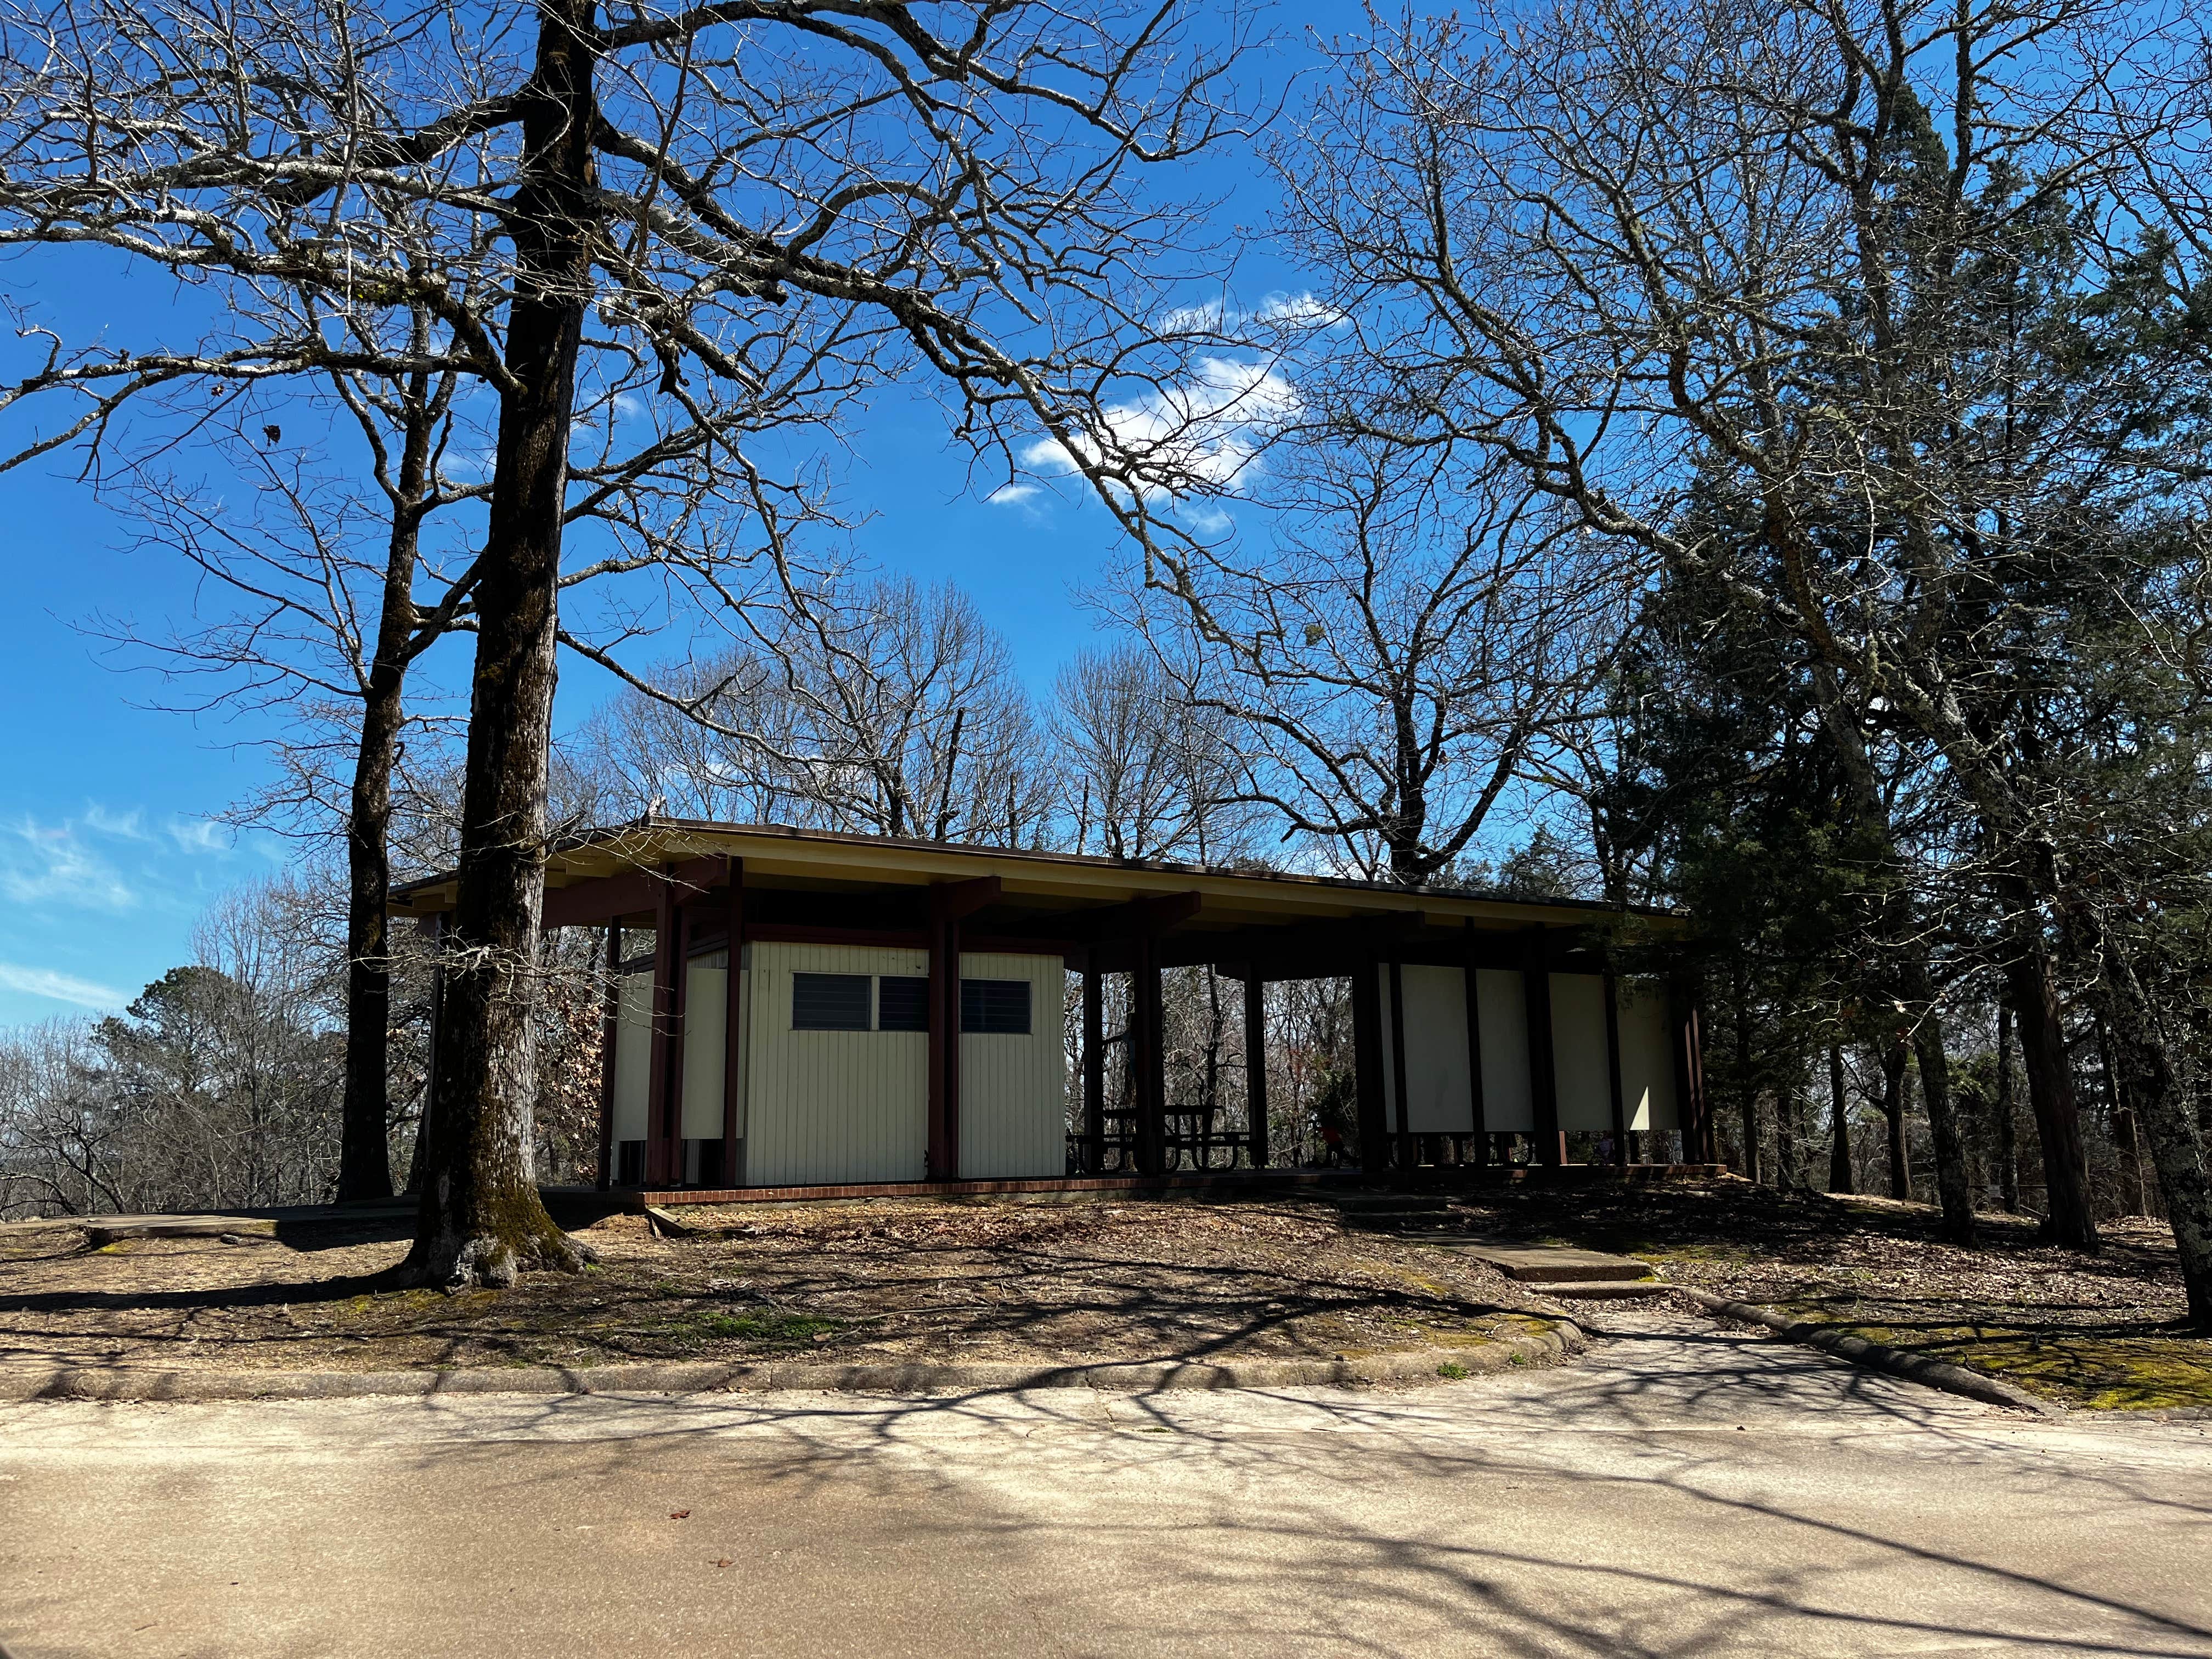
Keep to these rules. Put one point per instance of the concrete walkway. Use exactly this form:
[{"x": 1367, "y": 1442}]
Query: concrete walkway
[{"x": 1684, "y": 1492}]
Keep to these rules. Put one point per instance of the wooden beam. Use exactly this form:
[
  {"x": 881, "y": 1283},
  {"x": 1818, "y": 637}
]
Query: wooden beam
[
  {"x": 954, "y": 900},
  {"x": 665, "y": 967},
  {"x": 1255, "y": 1065},
  {"x": 1367, "y": 1063},
  {"x": 1094, "y": 1067},
  {"x": 1543, "y": 1077},
  {"x": 1273, "y": 949},
  {"x": 1612, "y": 1069},
  {"x": 680, "y": 1005},
  {"x": 1404, "y": 1148},
  {"x": 734, "y": 1024},
  {"x": 602, "y": 898},
  {"x": 1689, "y": 1073},
  {"x": 782, "y": 932},
  {"x": 610, "y": 1035},
  {"x": 1148, "y": 1052},
  {"x": 1478, "y": 1118}
]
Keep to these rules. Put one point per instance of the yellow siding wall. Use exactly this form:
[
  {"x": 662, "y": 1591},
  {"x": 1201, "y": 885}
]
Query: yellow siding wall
[
  {"x": 1579, "y": 1051},
  {"x": 633, "y": 1055},
  {"x": 1013, "y": 1115},
  {"x": 1647, "y": 1056},
  {"x": 1436, "y": 1052},
  {"x": 830, "y": 1106},
  {"x": 705, "y": 1015},
  {"x": 1507, "y": 1104}
]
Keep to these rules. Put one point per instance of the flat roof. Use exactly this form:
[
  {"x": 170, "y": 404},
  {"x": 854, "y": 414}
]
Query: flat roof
[{"x": 783, "y": 857}]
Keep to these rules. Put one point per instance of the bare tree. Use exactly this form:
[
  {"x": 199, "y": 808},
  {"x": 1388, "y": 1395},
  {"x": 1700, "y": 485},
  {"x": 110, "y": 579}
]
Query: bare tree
[
  {"x": 878, "y": 705},
  {"x": 685, "y": 189},
  {"x": 1634, "y": 246},
  {"x": 1416, "y": 638},
  {"x": 216, "y": 1089},
  {"x": 1146, "y": 770},
  {"x": 335, "y": 592}
]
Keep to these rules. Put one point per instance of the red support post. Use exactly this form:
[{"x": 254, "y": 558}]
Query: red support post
[
  {"x": 1255, "y": 1065},
  {"x": 734, "y": 1024},
  {"x": 610, "y": 1035},
  {"x": 1367, "y": 1064},
  {"x": 1474, "y": 1099},
  {"x": 657, "y": 1171},
  {"x": 1408, "y": 1153},
  {"x": 1543, "y": 1076},
  {"x": 1094, "y": 1067}
]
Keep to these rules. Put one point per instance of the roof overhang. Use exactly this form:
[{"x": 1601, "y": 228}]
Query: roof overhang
[{"x": 619, "y": 874}]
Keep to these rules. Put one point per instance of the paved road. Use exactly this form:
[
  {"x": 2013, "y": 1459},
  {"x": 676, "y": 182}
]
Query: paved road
[{"x": 1683, "y": 1492}]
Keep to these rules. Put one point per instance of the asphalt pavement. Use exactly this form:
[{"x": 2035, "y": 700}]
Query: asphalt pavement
[{"x": 1683, "y": 1491}]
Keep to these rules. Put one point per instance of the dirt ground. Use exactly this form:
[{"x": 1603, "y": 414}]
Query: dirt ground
[
  {"x": 2104, "y": 1331},
  {"x": 1074, "y": 1283},
  {"x": 903, "y": 1279}
]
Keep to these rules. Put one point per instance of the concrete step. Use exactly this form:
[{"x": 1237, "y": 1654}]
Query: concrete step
[
  {"x": 1550, "y": 1264},
  {"x": 1391, "y": 1203},
  {"x": 1608, "y": 1289}
]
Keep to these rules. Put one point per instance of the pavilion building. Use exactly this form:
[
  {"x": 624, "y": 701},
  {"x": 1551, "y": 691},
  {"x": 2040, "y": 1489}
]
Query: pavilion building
[{"x": 800, "y": 1009}]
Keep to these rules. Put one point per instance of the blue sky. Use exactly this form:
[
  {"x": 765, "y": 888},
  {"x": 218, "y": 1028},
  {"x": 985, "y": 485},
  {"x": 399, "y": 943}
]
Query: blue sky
[{"x": 109, "y": 843}]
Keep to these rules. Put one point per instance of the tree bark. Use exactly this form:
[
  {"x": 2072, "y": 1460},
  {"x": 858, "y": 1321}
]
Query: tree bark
[
  {"x": 1893, "y": 1107},
  {"x": 1953, "y": 1188},
  {"x": 2127, "y": 1140},
  {"x": 1785, "y": 1135},
  {"x": 2067, "y": 1218},
  {"x": 365, "y": 1152},
  {"x": 2176, "y": 1147},
  {"x": 2007, "y": 1121},
  {"x": 1839, "y": 1125},
  {"x": 1746, "y": 1096},
  {"x": 482, "y": 1220}
]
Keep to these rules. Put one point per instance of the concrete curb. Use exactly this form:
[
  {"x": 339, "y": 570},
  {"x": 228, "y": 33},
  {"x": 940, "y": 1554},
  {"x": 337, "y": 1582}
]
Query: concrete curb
[
  {"x": 1894, "y": 1362},
  {"x": 1549, "y": 1347}
]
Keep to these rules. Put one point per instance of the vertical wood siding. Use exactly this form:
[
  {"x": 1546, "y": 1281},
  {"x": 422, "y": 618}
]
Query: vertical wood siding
[
  {"x": 1580, "y": 1054},
  {"x": 706, "y": 1016},
  {"x": 1013, "y": 1089},
  {"x": 830, "y": 1106},
  {"x": 1647, "y": 1056},
  {"x": 1503, "y": 1008},
  {"x": 633, "y": 1055},
  {"x": 1438, "y": 1100}
]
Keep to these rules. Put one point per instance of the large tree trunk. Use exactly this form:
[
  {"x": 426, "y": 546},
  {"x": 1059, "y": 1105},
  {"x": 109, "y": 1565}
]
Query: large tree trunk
[
  {"x": 1893, "y": 1107},
  {"x": 2035, "y": 999},
  {"x": 2127, "y": 1141},
  {"x": 1954, "y": 1187},
  {"x": 365, "y": 1153},
  {"x": 2176, "y": 1147},
  {"x": 482, "y": 1219},
  {"x": 1839, "y": 1125},
  {"x": 1746, "y": 1096},
  {"x": 2007, "y": 1119}
]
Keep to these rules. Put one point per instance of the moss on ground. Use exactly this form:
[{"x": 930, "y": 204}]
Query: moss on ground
[{"x": 2125, "y": 1368}]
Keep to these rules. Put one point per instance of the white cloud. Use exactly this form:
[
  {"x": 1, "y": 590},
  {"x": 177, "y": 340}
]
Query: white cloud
[
  {"x": 1276, "y": 312},
  {"x": 201, "y": 835},
  {"x": 1202, "y": 433},
  {"x": 60, "y": 988},
  {"x": 45, "y": 864},
  {"x": 1013, "y": 494},
  {"x": 1297, "y": 310},
  {"x": 1207, "y": 317},
  {"x": 124, "y": 826}
]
